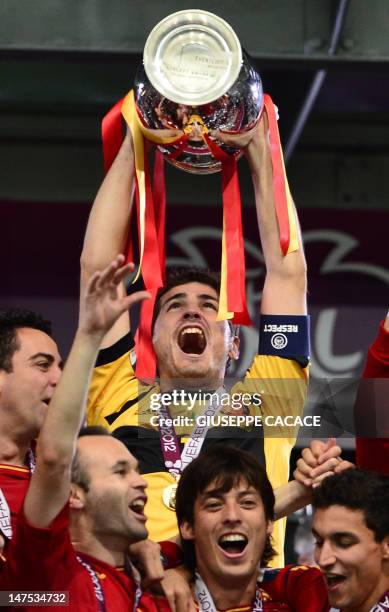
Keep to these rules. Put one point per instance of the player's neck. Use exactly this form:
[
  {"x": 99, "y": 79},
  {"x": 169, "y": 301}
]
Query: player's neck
[
  {"x": 13, "y": 451},
  {"x": 240, "y": 591},
  {"x": 104, "y": 548}
]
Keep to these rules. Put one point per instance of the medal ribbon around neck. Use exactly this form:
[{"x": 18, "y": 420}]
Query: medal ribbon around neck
[
  {"x": 98, "y": 588},
  {"x": 175, "y": 461},
  {"x": 206, "y": 603},
  {"x": 6, "y": 525}
]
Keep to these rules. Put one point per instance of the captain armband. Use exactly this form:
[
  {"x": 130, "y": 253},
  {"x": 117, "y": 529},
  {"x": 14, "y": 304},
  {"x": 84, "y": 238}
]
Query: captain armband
[{"x": 284, "y": 335}]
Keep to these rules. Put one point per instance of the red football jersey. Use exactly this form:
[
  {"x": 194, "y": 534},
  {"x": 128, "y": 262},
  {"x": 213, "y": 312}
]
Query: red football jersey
[
  {"x": 14, "y": 482},
  {"x": 301, "y": 587},
  {"x": 294, "y": 588},
  {"x": 373, "y": 453},
  {"x": 45, "y": 560}
]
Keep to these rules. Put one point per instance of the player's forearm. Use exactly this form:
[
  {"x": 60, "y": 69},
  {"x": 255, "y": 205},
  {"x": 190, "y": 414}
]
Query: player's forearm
[
  {"x": 67, "y": 407},
  {"x": 108, "y": 224},
  {"x": 291, "y": 497},
  {"x": 259, "y": 158}
]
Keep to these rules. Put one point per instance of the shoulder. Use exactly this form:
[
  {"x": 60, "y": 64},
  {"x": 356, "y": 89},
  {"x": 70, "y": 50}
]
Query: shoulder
[
  {"x": 36, "y": 555},
  {"x": 122, "y": 348}
]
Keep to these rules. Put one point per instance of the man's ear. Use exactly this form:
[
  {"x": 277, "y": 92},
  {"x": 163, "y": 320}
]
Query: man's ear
[
  {"x": 187, "y": 531},
  {"x": 233, "y": 353},
  {"x": 269, "y": 528},
  {"x": 385, "y": 548},
  {"x": 77, "y": 497},
  {"x": 3, "y": 375}
]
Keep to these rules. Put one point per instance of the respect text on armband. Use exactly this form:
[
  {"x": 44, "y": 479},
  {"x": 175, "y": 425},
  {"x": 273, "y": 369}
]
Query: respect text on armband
[{"x": 281, "y": 328}]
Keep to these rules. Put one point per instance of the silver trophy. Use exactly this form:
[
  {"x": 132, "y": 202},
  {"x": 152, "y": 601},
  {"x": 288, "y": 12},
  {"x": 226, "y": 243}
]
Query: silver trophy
[{"x": 196, "y": 78}]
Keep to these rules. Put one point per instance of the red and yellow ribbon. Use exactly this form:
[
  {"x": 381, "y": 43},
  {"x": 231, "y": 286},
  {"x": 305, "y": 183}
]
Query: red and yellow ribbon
[
  {"x": 151, "y": 207},
  {"x": 286, "y": 217}
]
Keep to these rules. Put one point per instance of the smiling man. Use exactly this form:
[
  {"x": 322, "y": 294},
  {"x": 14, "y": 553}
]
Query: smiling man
[
  {"x": 85, "y": 502},
  {"x": 193, "y": 349},
  {"x": 30, "y": 368},
  {"x": 225, "y": 511},
  {"x": 351, "y": 528}
]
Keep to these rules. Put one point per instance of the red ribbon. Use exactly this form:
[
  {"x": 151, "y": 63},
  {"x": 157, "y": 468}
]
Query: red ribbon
[
  {"x": 112, "y": 134},
  {"x": 279, "y": 179},
  {"x": 153, "y": 264},
  {"x": 160, "y": 207},
  {"x": 112, "y": 137},
  {"x": 146, "y": 359},
  {"x": 236, "y": 269},
  {"x": 180, "y": 145}
]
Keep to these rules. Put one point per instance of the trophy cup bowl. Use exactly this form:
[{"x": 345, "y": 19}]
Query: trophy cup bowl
[{"x": 195, "y": 77}]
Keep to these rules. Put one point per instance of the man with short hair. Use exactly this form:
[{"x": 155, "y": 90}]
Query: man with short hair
[
  {"x": 351, "y": 529},
  {"x": 225, "y": 512},
  {"x": 193, "y": 347},
  {"x": 30, "y": 368},
  {"x": 94, "y": 498}
]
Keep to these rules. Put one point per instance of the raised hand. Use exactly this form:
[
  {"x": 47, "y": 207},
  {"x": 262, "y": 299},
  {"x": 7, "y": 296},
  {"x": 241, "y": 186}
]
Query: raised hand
[
  {"x": 175, "y": 587},
  {"x": 146, "y": 555},
  {"x": 318, "y": 461},
  {"x": 240, "y": 141},
  {"x": 256, "y": 138},
  {"x": 103, "y": 303}
]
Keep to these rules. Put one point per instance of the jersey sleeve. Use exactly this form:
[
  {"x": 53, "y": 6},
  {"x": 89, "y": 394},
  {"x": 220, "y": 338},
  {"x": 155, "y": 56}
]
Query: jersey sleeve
[
  {"x": 282, "y": 386},
  {"x": 300, "y": 586},
  {"x": 113, "y": 379},
  {"x": 35, "y": 555},
  {"x": 372, "y": 407},
  {"x": 306, "y": 589}
]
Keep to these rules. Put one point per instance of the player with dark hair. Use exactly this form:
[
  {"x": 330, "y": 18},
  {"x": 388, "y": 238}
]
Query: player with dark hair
[
  {"x": 30, "y": 368},
  {"x": 351, "y": 529},
  {"x": 76, "y": 525},
  {"x": 225, "y": 512},
  {"x": 193, "y": 347},
  {"x": 11, "y": 321}
]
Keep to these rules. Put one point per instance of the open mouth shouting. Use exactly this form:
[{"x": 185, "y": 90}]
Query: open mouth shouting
[
  {"x": 233, "y": 545},
  {"x": 334, "y": 581},
  {"x": 137, "y": 506},
  {"x": 191, "y": 340}
]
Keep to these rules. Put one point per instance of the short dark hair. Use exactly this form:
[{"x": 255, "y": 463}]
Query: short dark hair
[
  {"x": 227, "y": 466},
  {"x": 181, "y": 276},
  {"x": 10, "y": 321},
  {"x": 358, "y": 489},
  {"x": 79, "y": 474}
]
